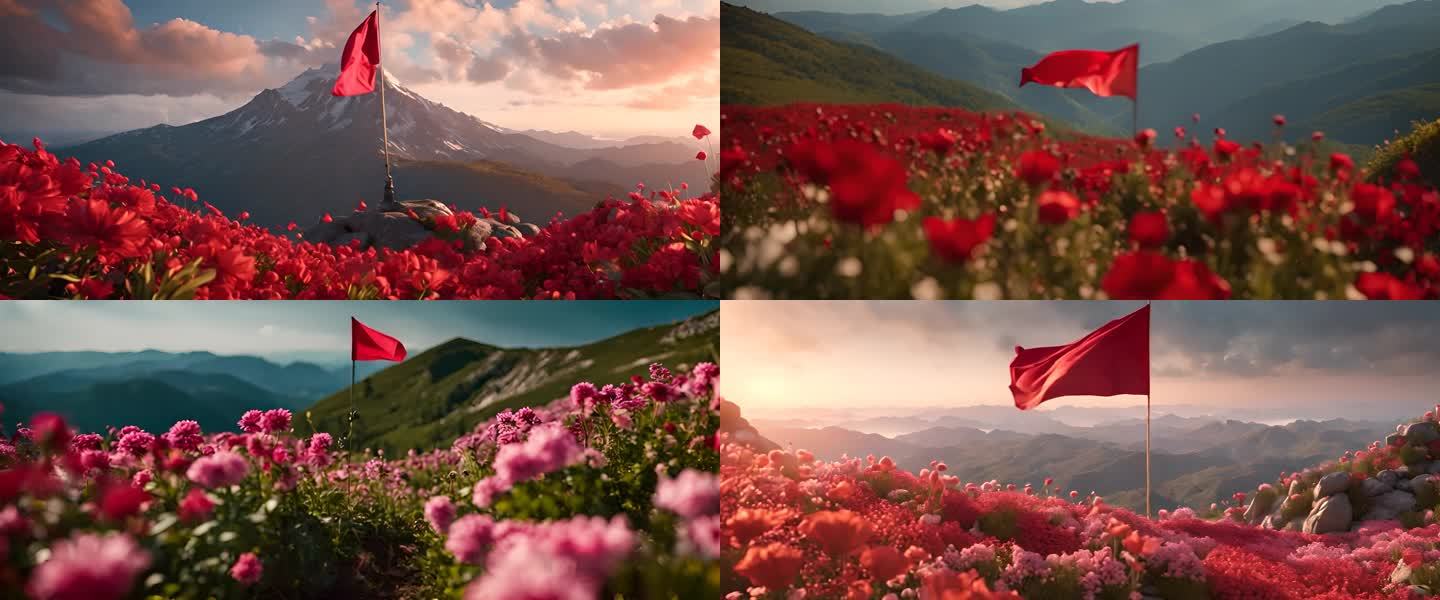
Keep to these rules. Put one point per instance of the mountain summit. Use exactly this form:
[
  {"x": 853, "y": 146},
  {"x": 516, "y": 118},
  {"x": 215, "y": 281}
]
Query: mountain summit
[{"x": 296, "y": 152}]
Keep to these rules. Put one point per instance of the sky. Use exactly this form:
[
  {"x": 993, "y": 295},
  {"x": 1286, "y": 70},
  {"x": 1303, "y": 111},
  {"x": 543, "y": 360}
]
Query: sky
[
  {"x": 610, "y": 68},
  {"x": 314, "y": 330},
  {"x": 1308, "y": 359}
]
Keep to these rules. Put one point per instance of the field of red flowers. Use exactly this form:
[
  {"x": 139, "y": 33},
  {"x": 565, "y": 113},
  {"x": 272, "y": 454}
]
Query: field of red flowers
[
  {"x": 611, "y": 492},
  {"x": 862, "y": 528},
  {"x": 85, "y": 231},
  {"x": 889, "y": 201}
]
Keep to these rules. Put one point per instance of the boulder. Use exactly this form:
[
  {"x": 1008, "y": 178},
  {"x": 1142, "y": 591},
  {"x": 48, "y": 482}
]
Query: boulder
[
  {"x": 1295, "y": 488},
  {"x": 1394, "y": 439},
  {"x": 1389, "y": 506},
  {"x": 1273, "y": 522},
  {"x": 1404, "y": 484},
  {"x": 392, "y": 226},
  {"x": 528, "y": 229},
  {"x": 1388, "y": 477},
  {"x": 1373, "y": 487},
  {"x": 1423, "y": 432},
  {"x": 1330, "y": 514},
  {"x": 1260, "y": 505},
  {"x": 1332, "y": 484}
]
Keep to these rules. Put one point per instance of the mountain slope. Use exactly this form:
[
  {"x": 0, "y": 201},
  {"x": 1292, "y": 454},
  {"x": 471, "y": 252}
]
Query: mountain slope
[
  {"x": 769, "y": 61},
  {"x": 440, "y": 394},
  {"x": 296, "y": 152},
  {"x": 1302, "y": 71},
  {"x": 65, "y": 371}
]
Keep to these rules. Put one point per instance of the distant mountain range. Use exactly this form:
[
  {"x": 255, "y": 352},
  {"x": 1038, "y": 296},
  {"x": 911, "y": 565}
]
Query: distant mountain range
[
  {"x": 296, "y": 152},
  {"x": 442, "y": 393},
  {"x": 1359, "y": 70},
  {"x": 1194, "y": 461},
  {"x": 427, "y": 400},
  {"x": 153, "y": 389}
]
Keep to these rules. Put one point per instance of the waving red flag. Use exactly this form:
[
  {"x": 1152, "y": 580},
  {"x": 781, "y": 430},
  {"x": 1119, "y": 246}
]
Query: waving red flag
[
  {"x": 1112, "y": 360},
  {"x": 369, "y": 344},
  {"x": 360, "y": 59},
  {"x": 1104, "y": 73}
]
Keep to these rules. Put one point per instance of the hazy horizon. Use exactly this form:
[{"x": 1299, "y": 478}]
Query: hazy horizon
[{"x": 1265, "y": 361}]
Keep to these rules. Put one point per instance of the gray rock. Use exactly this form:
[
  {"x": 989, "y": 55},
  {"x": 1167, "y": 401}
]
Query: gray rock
[
  {"x": 528, "y": 229},
  {"x": 1394, "y": 439},
  {"x": 1434, "y": 468},
  {"x": 1260, "y": 506},
  {"x": 1423, "y": 432},
  {"x": 325, "y": 232},
  {"x": 1330, "y": 514},
  {"x": 392, "y": 226},
  {"x": 424, "y": 208},
  {"x": 1388, "y": 477},
  {"x": 1420, "y": 481},
  {"x": 1295, "y": 525},
  {"x": 501, "y": 230},
  {"x": 1373, "y": 487},
  {"x": 1273, "y": 522},
  {"x": 1418, "y": 590},
  {"x": 1389, "y": 506},
  {"x": 1332, "y": 484},
  {"x": 512, "y": 218},
  {"x": 1295, "y": 488},
  {"x": 1405, "y": 472},
  {"x": 1404, "y": 484}
]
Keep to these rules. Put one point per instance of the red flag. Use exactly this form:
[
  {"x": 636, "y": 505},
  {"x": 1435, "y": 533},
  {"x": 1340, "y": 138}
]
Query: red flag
[
  {"x": 369, "y": 344},
  {"x": 360, "y": 59},
  {"x": 1112, "y": 360},
  {"x": 1104, "y": 73}
]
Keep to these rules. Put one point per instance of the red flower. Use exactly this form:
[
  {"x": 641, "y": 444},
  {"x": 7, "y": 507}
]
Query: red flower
[
  {"x": 1225, "y": 148},
  {"x": 700, "y": 132},
  {"x": 1384, "y": 286},
  {"x": 1341, "y": 162},
  {"x": 1145, "y": 138},
  {"x": 1149, "y": 229},
  {"x": 94, "y": 222},
  {"x": 196, "y": 506},
  {"x": 49, "y": 431},
  {"x": 121, "y": 500},
  {"x": 1406, "y": 169},
  {"x": 1138, "y": 276},
  {"x": 772, "y": 566},
  {"x": 955, "y": 240},
  {"x": 1279, "y": 120},
  {"x": 1373, "y": 203},
  {"x": 700, "y": 155},
  {"x": 1037, "y": 167},
  {"x": 837, "y": 532},
  {"x": 327, "y": 218},
  {"x": 883, "y": 562},
  {"x": 1193, "y": 281},
  {"x": 1057, "y": 207}
]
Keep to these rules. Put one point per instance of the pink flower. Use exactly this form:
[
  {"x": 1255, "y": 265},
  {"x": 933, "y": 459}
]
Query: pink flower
[
  {"x": 550, "y": 447},
  {"x": 470, "y": 538},
  {"x": 247, "y": 569},
  {"x": 196, "y": 506},
  {"x": 528, "y": 573},
  {"x": 185, "y": 435},
  {"x": 89, "y": 566},
  {"x": 221, "y": 469},
  {"x": 440, "y": 512},
  {"x": 701, "y": 537},
  {"x": 136, "y": 443},
  {"x": 250, "y": 421},
  {"x": 693, "y": 494},
  {"x": 276, "y": 420}
]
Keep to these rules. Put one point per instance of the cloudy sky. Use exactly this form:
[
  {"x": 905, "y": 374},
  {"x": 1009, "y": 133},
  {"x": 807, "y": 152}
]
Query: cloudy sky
[
  {"x": 317, "y": 330},
  {"x": 782, "y": 358},
  {"x": 610, "y": 68}
]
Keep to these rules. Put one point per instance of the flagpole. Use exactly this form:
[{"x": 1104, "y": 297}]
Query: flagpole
[
  {"x": 384, "y": 127},
  {"x": 1147, "y": 426},
  {"x": 350, "y": 417}
]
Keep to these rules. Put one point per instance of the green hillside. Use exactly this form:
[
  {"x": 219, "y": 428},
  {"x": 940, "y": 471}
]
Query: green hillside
[
  {"x": 442, "y": 393},
  {"x": 768, "y": 61}
]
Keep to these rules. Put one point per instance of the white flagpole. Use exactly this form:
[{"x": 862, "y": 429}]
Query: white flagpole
[{"x": 384, "y": 127}]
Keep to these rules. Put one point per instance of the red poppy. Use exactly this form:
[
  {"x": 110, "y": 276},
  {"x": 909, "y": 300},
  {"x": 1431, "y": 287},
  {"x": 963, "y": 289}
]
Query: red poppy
[
  {"x": 1149, "y": 229},
  {"x": 1384, "y": 286},
  {"x": 772, "y": 566},
  {"x": 883, "y": 562},
  {"x": 1037, "y": 167},
  {"x": 1138, "y": 276},
  {"x": 954, "y": 240},
  {"x": 837, "y": 532},
  {"x": 700, "y": 155},
  {"x": 1192, "y": 280},
  {"x": 1057, "y": 207},
  {"x": 1373, "y": 203},
  {"x": 94, "y": 222},
  {"x": 1279, "y": 120},
  {"x": 1341, "y": 162},
  {"x": 1145, "y": 138},
  {"x": 700, "y": 132}
]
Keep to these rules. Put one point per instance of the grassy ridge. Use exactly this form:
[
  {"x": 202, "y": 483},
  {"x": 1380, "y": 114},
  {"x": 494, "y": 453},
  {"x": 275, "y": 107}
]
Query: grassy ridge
[{"x": 442, "y": 393}]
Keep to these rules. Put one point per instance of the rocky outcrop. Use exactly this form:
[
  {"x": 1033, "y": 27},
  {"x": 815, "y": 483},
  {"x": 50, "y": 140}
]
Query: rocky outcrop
[
  {"x": 401, "y": 225},
  {"x": 1331, "y": 514}
]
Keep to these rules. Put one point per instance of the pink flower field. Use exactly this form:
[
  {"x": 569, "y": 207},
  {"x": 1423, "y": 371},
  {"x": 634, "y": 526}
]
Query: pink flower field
[
  {"x": 862, "y": 528},
  {"x": 610, "y": 492}
]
